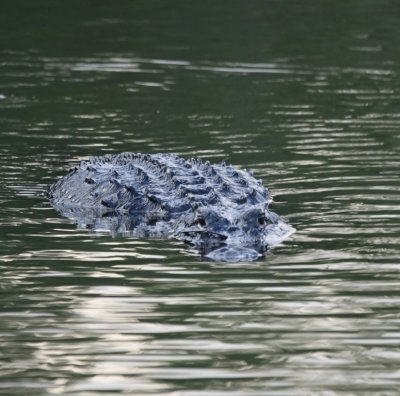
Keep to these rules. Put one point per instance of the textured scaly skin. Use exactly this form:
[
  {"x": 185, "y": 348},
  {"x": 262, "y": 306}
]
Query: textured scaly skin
[{"x": 207, "y": 205}]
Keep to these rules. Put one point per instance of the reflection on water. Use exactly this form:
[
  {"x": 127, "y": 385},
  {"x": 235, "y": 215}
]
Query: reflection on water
[{"x": 306, "y": 96}]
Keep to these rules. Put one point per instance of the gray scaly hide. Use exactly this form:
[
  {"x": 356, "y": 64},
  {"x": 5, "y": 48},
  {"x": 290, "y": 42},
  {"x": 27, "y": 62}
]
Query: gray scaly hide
[{"x": 219, "y": 209}]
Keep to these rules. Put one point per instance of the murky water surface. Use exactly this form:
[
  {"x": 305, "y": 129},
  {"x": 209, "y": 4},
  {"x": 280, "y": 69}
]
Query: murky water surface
[{"x": 304, "y": 93}]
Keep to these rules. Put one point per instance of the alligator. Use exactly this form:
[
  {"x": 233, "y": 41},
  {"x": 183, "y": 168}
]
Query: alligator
[{"x": 219, "y": 209}]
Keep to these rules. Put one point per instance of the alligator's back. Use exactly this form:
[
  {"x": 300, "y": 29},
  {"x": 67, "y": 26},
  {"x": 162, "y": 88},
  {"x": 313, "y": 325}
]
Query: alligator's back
[{"x": 158, "y": 183}]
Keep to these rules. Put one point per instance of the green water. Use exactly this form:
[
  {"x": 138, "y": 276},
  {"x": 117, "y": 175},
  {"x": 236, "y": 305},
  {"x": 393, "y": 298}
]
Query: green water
[{"x": 305, "y": 93}]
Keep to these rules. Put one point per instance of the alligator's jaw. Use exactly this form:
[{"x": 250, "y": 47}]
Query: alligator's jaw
[{"x": 233, "y": 254}]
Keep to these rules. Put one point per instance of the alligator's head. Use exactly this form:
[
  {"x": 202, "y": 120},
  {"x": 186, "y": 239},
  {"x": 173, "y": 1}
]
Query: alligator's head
[{"x": 233, "y": 236}]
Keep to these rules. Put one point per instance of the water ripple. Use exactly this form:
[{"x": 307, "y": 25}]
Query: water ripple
[{"x": 86, "y": 314}]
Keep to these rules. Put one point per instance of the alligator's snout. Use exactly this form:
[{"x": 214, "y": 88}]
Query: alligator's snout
[
  {"x": 227, "y": 235},
  {"x": 243, "y": 238}
]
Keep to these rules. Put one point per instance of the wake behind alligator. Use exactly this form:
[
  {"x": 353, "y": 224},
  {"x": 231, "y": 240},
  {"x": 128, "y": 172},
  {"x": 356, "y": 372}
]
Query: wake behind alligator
[{"x": 220, "y": 210}]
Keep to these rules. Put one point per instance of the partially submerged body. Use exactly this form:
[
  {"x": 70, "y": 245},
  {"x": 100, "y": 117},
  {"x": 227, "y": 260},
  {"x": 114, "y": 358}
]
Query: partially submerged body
[{"x": 219, "y": 209}]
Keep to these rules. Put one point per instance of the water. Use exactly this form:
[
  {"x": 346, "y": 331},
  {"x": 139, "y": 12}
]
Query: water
[{"x": 306, "y": 94}]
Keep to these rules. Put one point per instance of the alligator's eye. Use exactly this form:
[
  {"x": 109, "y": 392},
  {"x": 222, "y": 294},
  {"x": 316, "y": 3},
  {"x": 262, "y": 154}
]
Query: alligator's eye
[
  {"x": 201, "y": 222},
  {"x": 262, "y": 220}
]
